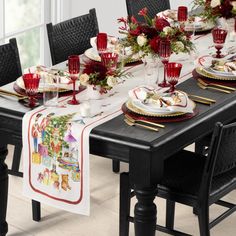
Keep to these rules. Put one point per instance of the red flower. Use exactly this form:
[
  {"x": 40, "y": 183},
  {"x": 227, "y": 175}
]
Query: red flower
[
  {"x": 143, "y": 12},
  {"x": 225, "y": 9},
  {"x": 135, "y": 32},
  {"x": 133, "y": 20},
  {"x": 93, "y": 67},
  {"x": 150, "y": 32},
  {"x": 161, "y": 23},
  {"x": 154, "y": 43}
]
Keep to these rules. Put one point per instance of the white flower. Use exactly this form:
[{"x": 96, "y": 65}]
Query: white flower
[
  {"x": 167, "y": 30},
  {"x": 111, "y": 81},
  {"x": 141, "y": 40},
  {"x": 179, "y": 46},
  {"x": 215, "y": 3},
  {"x": 84, "y": 78},
  {"x": 234, "y": 5}
]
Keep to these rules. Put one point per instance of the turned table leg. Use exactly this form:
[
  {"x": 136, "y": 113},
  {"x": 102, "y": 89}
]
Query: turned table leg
[
  {"x": 3, "y": 190},
  {"x": 145, "y": 212}
]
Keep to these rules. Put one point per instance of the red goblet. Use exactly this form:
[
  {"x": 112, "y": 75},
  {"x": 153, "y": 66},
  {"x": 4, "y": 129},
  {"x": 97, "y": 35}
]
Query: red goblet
[
  {"x": 182, "y": 15},
  {"x": 173, "y": 70},
  {"x": 101, "y": 42},
  {"x": 74, "y": 68},
  {"x": 31, "y": 82},
  {"x": 109, "y": 60},
  {"x": 164, "y": 53},
  {"x": 219, "y": 36}
]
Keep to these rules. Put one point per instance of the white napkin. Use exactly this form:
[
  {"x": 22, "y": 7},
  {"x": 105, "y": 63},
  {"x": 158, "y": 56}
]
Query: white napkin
[
  {"x": 169, "y": 15},
  {"x": 142, "y": 97}
]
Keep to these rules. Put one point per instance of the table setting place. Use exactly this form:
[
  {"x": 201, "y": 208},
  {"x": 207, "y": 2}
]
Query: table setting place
[{"x": 135, "y": 76}]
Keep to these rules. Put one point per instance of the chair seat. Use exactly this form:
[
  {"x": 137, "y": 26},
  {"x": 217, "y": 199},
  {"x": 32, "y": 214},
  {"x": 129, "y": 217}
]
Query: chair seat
[{"x": 183, "y": 173}]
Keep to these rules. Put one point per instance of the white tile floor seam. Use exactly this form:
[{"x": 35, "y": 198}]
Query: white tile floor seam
[{"x": 104, "y": 218}]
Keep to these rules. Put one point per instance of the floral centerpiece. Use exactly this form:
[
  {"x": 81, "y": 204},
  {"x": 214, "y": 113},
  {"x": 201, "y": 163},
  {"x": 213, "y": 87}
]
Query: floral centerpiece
[
  {"x": 213, "y": 9},
  {"x": 101, "y": 77},
  {"x": 145, "y": 37}
]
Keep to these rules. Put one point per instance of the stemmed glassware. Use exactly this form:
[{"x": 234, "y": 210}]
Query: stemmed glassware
[
  {"x": 74, "y": 68},
  {"x": 164, "y": 50},
  {"x": 109, "y": 59},
  {"x": 31, "y": 82},
  {"x": 182, "y": 15},
  {"x": 173, "y": 70},
  {"x": 101, "y": 43},
  {"x": 219, "y": 36}
]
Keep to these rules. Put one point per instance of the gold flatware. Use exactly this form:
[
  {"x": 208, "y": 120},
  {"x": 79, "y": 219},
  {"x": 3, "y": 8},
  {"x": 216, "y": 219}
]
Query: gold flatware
[
  {"x": 201, "y": 101},
  {"x": 128, "y": 122},
  {"x": 202, "y": 98},
  {"x": 12, "y": 95},
  {"x": 213, "y": 88},
  {"x": 216, "y": 85},
  {"x": 143, "y": 121}
]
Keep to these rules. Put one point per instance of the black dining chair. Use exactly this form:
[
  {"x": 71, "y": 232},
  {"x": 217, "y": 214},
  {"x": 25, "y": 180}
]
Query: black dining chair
[
  {"x": 71, "y": 36},
  {"x": 194, "y": 180},
  {"x": 153, "y": 6},
  {"x": 10, "y": 70}
]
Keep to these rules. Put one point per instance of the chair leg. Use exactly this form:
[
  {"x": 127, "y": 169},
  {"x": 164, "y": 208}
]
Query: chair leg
[
  {"x": 16, "y": 162},
  {"x": 203, "y": 220},
  {"x": 170, "y": 214},
  {"x": 125, "y": 197},
  {"x": 36, "y": 210},
  {"x": 116, "y": 166},
  {"x": 199, "y": 147}
]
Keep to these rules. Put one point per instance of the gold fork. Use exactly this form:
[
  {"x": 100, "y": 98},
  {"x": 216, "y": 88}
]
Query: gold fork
[
  {"x": 213, "y": 88},
  {"x": 216, "y": 85},
  {"x": 144, "y": 121},
  {"x": 128, "y": 122}
]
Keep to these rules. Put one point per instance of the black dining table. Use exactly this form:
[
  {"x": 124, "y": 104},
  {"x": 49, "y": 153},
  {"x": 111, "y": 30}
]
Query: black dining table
[{"x": 145, "y": 151}]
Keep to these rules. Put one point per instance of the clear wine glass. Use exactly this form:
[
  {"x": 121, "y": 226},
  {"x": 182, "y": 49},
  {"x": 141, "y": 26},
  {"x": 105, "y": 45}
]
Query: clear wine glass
[
  {"x": 219, "y": 36},
  {"x": 164, "y": 50},
  {"x": 173, "y": 70},
  {"x": 74, "y": 68},
  {"x": 31, "y": 82}
]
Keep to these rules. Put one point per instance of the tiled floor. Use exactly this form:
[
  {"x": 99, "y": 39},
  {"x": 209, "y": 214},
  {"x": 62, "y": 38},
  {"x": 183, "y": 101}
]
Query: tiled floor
[{"x": 103, "y": 220}]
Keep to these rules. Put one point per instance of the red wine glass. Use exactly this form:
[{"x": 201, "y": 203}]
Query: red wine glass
[
  {"x": 219, "y": 36},
  {"x": 164, "y": 53},
  {"x": 109, "y": 59},
  {"x": 182, "y": 15},
  {"x": 31, "y": 82},
  {"x": 173, "y": 70},
  {"x": 101, "y": 42},
  {"x": 74, "y": 68}
]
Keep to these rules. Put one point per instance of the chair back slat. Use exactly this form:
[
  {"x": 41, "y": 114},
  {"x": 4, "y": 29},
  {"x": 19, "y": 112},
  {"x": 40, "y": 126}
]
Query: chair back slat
[
  {"x": 153, "y": 6},
  {"x": 10, "y": 66},
  {"x": 226, "y": 156},
  {"x": 71, "y": 36}
]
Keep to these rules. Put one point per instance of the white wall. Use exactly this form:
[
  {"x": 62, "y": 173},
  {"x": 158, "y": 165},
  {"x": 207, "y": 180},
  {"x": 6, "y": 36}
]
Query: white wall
[{"x": 108, "y": 11}]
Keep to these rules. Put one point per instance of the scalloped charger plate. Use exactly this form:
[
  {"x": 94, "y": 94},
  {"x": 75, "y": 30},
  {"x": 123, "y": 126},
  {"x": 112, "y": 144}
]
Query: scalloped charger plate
[
  {"x": 212, "y": 74},
  {"x": 139, "y": 111}
]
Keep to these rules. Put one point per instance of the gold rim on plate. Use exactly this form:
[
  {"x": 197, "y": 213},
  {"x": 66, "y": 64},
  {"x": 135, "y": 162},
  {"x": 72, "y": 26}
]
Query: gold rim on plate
[
  {"x": 138, "y": 111},
  {"x": 202, "y": 71}
]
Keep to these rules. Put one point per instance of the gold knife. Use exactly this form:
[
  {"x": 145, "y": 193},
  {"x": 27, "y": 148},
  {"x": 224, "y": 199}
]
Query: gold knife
[
  {"x": 201, "y": 101},
  {"x": 202, "y": 98}
]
